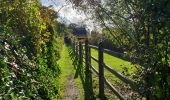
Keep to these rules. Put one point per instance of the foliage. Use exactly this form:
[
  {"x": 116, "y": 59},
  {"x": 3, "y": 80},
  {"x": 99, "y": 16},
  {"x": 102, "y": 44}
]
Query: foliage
[{"x": 29, "y": 50}]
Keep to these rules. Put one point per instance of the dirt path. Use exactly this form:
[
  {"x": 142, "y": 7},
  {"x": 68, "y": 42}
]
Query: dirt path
[
  {"x": 68, "y": 85},
  {"x": 71, "y": 92}
]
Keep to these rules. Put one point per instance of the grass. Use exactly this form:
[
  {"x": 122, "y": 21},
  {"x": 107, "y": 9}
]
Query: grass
[
  {"x": 67, "y": 69},
  {"x": 116, "y": 64},
  {"x": 72, "y": 67}
]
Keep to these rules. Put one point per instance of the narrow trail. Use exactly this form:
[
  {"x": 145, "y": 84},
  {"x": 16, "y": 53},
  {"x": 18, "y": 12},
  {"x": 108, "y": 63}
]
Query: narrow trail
[
  {"x": 68, "y": 88},
  {"x": 71, "y": 91}
]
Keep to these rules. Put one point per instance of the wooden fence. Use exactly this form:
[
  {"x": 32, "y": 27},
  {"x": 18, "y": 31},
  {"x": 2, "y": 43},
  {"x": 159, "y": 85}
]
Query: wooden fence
[{"x": 78, "y": 50}]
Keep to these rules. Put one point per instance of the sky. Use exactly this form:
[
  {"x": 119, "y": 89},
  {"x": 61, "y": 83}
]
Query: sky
[{"x": 68, "y": 14}]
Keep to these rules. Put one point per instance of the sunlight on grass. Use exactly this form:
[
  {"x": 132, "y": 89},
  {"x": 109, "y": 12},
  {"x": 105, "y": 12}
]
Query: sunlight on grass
[
  {"x": 117, "y": 64},
  {"x": 67, "y": 69},
  {"x": 114, "y": 62}
]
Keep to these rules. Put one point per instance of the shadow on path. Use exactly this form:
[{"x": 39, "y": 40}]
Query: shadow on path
[{"x": 86, "y": 77}]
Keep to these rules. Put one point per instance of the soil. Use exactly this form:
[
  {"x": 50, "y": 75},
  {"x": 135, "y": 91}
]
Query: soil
[{"x": 71, "y": 91}]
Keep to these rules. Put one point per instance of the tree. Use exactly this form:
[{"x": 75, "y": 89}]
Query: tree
[{"x": 144, "y": 25}]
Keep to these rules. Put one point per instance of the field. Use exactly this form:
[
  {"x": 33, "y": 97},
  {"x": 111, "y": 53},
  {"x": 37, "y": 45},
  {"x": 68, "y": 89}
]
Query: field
[
  {"x": 121, "y": 66},
  {"x": 114, "y": 62}
]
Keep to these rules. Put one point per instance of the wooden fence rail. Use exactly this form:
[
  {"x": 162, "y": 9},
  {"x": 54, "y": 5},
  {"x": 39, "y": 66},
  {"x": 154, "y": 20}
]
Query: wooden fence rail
[{"x": 78, "y": 49}]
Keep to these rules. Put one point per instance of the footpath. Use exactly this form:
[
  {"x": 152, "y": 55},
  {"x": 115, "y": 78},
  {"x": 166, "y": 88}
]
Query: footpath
[{"x": 70, "y": 88}]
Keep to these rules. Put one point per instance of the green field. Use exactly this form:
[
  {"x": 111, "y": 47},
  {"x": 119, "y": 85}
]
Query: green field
[{"x": 117, "y": 64}]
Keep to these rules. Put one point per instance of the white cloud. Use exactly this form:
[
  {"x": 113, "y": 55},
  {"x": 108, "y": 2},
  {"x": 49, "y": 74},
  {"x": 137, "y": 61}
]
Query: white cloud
[
  {"x": 68, "y": 14},
  {"x": 65, "y": 12},
  {"x": 53, "y": 2}
]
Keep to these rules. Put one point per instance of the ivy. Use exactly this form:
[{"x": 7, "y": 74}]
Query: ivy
[{"x": 27, "y": 47}]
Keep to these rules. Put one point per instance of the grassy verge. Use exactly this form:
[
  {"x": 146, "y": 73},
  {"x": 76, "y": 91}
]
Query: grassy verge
[{"x": 67, "y": 69}]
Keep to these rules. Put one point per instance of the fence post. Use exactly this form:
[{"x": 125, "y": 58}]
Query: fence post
[
  {"x": 89, "y": 51},
  {"x": 73, "y": 46},
  {"x": 101, "y": 71},
  {"x": 80, "y": 53},
  {"x": 77, "y": 49},
  {"x": 87, "y": 56}
]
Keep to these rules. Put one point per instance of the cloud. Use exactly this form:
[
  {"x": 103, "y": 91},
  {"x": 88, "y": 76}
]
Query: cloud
[
  {"x": 53, "y": 2},
  {"x": 68, "y": 14},
  {"x": 66, "y": 10}
]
